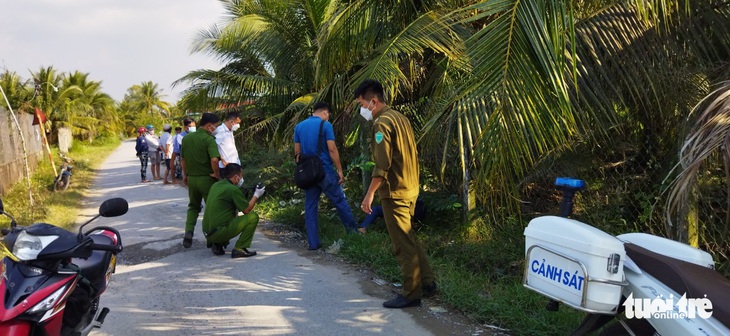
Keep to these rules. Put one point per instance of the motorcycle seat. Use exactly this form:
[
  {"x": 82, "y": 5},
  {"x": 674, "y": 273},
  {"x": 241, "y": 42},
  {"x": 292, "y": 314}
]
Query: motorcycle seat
[
  {"x": 94, "y": 268},
  {"x": 684, "y": 277}
]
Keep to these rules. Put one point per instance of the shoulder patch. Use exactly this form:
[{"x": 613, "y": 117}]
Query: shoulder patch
[{"x": 379, "y": 137}]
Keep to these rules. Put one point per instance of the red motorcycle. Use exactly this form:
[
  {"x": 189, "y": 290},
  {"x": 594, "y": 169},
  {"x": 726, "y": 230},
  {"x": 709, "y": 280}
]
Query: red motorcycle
[{"x": 52, "y": 281}]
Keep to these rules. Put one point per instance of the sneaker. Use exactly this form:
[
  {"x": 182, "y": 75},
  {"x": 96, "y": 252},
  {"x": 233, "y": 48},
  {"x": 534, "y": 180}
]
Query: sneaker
[
  {"x": 242, "y": 253},
  {"x": 218, "y": 249},
  {"x": 401, "y": 301},
  {"x": 188, "y": 240}
]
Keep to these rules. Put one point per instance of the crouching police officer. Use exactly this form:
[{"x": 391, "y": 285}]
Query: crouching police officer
[{"x": 220, "y": 220}]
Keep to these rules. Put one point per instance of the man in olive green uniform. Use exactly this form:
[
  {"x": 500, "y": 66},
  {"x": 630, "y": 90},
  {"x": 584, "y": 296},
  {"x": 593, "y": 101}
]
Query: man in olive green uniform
[
  {"x": 395, "y": 177},
  {"x": 200, "y": 157},
  {"x": 221, "y": 221}
]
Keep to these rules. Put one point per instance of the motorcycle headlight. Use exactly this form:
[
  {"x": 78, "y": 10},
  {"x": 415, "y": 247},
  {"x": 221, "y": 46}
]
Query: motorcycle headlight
[
  {"x": 27, "y": 246},
  {"x": 50, "y": 301}
]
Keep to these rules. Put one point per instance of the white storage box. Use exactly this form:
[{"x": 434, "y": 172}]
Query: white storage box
[
  {"x": 574, "y": 263},
  {"x": 669, "y": 248}
]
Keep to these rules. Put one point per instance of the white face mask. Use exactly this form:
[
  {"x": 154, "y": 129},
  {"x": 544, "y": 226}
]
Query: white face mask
[
  {"x": 240, "y": 182},
  {"x": 191, "y": 129},
  {"x": 366, "y": 113},
  {"x": 235, "y": 127}
]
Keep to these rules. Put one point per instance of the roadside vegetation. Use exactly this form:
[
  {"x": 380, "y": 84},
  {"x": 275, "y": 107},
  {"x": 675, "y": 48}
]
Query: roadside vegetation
[
  {"x": 59, "y": 208},
  {"x": 479, "y": 273}
]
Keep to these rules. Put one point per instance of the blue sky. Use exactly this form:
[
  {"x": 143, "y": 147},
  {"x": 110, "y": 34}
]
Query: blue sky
[{"x": 120, "y": 43}]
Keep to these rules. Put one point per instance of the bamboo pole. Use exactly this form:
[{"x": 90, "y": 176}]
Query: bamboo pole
[{"x": 22, "y": 141}]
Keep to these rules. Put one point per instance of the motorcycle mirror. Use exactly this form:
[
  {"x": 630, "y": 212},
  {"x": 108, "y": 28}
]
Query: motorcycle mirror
[{"x": 113, "y": 207}]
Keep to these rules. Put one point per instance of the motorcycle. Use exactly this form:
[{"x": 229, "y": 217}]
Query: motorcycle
[
  {"x": 52, "y": 281},
  {"x": 639, "y": 283},
  {"x": 63, "y": 179}
]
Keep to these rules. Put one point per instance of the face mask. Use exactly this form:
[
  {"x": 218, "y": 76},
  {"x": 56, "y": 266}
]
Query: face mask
[
  {"x": 191, "y": 129},
  {"x": 240, "y": 182},
  {"x": 235, "y": 127},
  {"x": 366, "y": 113}
]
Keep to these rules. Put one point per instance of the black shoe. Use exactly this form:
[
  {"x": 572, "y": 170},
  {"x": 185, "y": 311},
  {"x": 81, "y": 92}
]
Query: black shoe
[
  {"x": 218, "y": 249},
  {"x": 429, "y": 290},
  {"x": 188, "y": 240},
  {"x": 242, "y": 253},
  {"x": 400, "y": 301},
  {"x": 315, "y": 248}
]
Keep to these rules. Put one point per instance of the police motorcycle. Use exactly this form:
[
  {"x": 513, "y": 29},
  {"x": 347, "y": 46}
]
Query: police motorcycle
[
  {"x": 52, "y": 279},
  {"x": 639, "y": 283}
]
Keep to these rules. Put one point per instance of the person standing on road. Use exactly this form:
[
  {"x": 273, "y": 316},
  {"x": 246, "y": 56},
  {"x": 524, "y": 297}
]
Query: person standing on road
[
  {"x": 153, "y": 141},
  {"x": 200, "y": 158},
  {"x": 220, "y": 220},
  {"x": 189, "y": 126},
  {"x": 166, "y": 146},
  {"x": 395, "y": 177},
  {"x": 224, "y": 138},
  {"x": 306, "y": 142},
  {"x": 142, "y": 152}
]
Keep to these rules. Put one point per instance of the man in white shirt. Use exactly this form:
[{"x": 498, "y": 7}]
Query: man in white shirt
[
  {"x": 166, "y": 146},
  {"x": 224, "y": 138},
  {"x": 153, "y": 141}
]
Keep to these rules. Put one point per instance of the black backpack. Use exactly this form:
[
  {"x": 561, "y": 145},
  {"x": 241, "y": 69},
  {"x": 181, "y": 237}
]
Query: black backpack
[{"x": 309, "y": 170}]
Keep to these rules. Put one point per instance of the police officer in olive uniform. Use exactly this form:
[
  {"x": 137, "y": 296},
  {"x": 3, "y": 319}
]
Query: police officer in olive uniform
[
  {"x": 395, "y": 177},
  {"x": 200, "y": 157}
]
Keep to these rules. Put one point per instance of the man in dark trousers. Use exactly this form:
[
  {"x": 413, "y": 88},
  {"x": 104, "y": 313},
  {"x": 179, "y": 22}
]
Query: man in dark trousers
[
  {"x": 395, "y": 177},
  {"x": 306, "y": 141},
  {"x": 221, "y": 222},
  {"x": 142, "y": 152},
  {"x": 189, "y": 127},
  {"x": 199, "y": 154}
]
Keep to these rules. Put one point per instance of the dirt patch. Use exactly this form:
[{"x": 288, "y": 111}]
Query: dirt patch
[
  {"x": 142, "y": 253},
  {"x": 432, "y": 314}
]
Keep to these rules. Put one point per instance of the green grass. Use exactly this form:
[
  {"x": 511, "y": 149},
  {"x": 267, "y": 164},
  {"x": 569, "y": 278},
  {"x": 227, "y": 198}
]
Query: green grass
[{"x": 58, "y": 208}]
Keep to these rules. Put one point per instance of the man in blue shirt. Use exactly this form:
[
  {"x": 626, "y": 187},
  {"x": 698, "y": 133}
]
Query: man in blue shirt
[
  {"x": 189, "y": 126},
  {"x": 306, "y": 141}
]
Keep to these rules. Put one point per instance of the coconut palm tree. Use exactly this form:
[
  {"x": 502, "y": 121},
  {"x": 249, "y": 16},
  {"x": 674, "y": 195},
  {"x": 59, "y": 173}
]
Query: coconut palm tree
[
  {"x": 497, "y": 87},
  {"x": 16, "y": 89},
  {"x": 147, "y": 98},
  {"x": 94, "y": 110}
]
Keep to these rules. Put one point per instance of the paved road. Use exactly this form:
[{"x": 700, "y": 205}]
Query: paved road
[{"x": 192, "y": 292}]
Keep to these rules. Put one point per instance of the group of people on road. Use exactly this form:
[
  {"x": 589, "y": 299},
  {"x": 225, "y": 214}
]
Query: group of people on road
[
  {"x": 153, "y": 151},
  {"x": 212, "y": 172}
]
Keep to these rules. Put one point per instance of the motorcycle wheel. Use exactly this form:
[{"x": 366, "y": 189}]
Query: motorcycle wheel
[
  {"x": 57, "y": 184},
  {"x": 66, "y": 180},
  {"x": 639, "y": 327}
]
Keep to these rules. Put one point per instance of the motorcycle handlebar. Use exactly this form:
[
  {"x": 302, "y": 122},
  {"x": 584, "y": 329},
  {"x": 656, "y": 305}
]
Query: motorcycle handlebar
[{"x": 102, "y": 247}]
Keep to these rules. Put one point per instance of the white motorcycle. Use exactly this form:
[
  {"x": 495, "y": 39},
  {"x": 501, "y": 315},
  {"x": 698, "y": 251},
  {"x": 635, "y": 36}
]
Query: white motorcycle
[{"x": 650, "y": 285}]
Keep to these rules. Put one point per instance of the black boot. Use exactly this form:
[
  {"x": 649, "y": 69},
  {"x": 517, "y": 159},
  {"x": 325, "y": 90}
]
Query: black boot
[
  {"x": 242, "y": 253},
  {"x": 218, "y": 249},
  {"x": 188, "y": 240},
  {"x": 401, "y": 302}
]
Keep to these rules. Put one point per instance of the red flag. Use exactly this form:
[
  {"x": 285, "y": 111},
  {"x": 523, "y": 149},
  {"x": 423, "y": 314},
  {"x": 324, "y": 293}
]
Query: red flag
[{"x": 39, "y": 116}]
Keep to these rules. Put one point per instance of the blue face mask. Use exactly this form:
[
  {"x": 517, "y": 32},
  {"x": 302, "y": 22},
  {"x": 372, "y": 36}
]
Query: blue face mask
[
  {"x": 191, "y": 129},
  {"x": 240, "y": 182}
]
